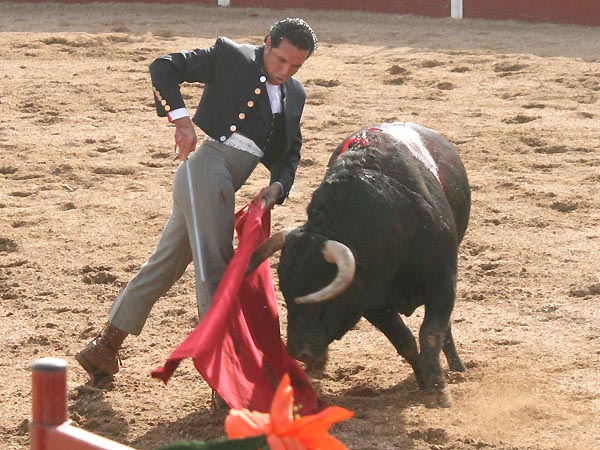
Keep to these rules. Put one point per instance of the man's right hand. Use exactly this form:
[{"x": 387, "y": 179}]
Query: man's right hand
[{"x": 185, "y": 138}]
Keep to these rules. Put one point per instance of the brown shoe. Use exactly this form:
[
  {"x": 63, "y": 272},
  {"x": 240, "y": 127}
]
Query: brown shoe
[
  {"x": 100, "y": 358},
  {"x": 217, "y": 402}
]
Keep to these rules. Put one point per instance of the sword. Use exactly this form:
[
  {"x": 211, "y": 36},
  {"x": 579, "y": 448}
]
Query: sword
[
  {"x": 216, "y": 399},
  {"x": 195, "y": 222}
]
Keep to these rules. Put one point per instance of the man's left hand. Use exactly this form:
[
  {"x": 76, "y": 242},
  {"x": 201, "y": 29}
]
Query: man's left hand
[{"x": 270, "y": 195}]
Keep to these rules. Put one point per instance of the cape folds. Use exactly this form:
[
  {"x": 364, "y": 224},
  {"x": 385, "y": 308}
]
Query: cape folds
[{"x": 237, "y": 346}]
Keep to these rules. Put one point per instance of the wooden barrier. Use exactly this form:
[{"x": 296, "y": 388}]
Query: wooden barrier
[
  {"x": 432, "y": 8},
  {"x": 50, "y": 428},
  {"x": 576, "y": 12},
  {"x": 196, "y": 2}
]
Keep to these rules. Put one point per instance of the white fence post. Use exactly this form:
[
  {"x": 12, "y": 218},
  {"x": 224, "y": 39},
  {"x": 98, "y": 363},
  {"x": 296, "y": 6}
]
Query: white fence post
[{"x": 456, "y": 9}]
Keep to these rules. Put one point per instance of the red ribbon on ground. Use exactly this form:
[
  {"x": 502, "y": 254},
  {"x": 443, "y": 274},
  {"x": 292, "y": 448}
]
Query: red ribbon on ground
[{"x": 237, "y": 346}]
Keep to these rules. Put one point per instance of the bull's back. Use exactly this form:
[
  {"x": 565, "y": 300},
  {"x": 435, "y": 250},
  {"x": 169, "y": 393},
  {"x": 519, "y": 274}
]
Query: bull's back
[
  {"x": 452, "y": 175},
  {"x": 436, "y": 155}
]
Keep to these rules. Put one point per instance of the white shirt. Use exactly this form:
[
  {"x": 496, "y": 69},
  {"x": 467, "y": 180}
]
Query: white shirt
[
  {"x": 274, "y": 92},
  {"x": 238, "y": 140}
]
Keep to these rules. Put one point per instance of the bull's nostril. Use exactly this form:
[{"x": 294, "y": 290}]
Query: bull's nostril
[
  {"x": 304, "y": 356},
  {"x": 301, "y": 354}
]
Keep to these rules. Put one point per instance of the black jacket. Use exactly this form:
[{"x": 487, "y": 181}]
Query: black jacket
[{"x": 234, "y": 98}]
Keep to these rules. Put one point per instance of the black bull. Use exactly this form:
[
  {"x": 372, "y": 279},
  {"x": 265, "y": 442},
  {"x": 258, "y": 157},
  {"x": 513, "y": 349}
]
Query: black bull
[{"x": 381, "y": 239}]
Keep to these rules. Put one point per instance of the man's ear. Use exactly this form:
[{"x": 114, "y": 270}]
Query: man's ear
[{"x": 268, "y": 43}]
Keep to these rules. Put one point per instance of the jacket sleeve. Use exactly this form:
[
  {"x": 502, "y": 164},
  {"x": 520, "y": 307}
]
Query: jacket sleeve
[
  {"x": 169, "y": 71},
  {"x": 285, "y": 172}
]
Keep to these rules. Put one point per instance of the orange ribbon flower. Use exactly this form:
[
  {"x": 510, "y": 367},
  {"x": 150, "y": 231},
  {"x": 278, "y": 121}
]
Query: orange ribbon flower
[{"x": 282, "y": 430}]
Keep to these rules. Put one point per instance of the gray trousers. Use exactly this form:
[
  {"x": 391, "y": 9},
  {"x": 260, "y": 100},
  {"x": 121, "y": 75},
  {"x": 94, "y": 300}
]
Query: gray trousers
[{"x": 218, "y": 171}]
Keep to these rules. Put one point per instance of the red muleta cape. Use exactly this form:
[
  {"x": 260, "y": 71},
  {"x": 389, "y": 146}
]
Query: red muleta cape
[{"x": 237, "y": 346}]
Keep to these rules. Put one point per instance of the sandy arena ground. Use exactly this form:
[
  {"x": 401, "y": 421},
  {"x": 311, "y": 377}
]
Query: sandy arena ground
[{"x": 85, "y": 177}]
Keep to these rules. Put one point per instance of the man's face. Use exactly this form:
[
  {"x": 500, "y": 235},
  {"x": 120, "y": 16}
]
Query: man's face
[{"x": 283, "y": 62}]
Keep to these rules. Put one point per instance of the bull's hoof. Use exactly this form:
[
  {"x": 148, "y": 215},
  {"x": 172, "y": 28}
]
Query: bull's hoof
[
  {"x": 315, "y": 367},
  {"x": 456, "y": 365},
  {"x": 438, "y": 399}
]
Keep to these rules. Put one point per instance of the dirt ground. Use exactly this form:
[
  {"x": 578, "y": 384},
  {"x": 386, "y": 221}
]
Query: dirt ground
[{"x": 85, "y": 178}]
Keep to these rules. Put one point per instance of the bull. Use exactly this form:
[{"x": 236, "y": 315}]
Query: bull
[{"x": 380, "y": 240}]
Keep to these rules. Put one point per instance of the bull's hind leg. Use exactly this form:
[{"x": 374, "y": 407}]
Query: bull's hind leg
[
  {"x": 433, "y": 337},
  {"x": 436, "y": 393},
  {"x": 391, "y": 324},
  {"x": 454, "y": 362}
]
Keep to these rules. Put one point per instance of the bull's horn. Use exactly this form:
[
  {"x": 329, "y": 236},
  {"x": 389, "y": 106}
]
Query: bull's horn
[
  {"x": 340, "y": 254},
  {"x": 267, "y": 248}
]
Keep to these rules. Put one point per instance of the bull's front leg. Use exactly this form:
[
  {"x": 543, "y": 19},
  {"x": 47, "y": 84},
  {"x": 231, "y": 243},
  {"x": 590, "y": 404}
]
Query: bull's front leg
[
  {"x": 391, "y": 324},
  {"x": 432, "y": 338}
]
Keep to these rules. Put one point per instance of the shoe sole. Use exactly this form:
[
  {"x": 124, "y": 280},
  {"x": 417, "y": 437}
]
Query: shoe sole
[{"x": 92, "y": 370}]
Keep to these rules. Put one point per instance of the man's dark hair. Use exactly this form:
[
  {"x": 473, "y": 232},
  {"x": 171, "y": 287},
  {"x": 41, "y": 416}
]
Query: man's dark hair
[{"x": 296, "y": 31}]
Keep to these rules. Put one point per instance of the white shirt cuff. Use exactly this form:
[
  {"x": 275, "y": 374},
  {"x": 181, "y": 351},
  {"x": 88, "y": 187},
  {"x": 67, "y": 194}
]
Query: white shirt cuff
[
  {"x": 281, "y": 186},
  {"x": 178, "y": 114}
]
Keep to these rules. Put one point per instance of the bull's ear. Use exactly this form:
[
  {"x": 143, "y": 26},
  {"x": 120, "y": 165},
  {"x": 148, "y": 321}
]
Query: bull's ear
[{"x": 267, "y": 249}]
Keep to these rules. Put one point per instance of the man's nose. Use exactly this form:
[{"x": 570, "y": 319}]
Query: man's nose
[{"x": 287, "y": 70}]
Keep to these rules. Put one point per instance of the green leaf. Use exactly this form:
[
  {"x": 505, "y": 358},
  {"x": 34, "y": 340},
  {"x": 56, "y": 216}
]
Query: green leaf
[{"x": 253, "y": 443}]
